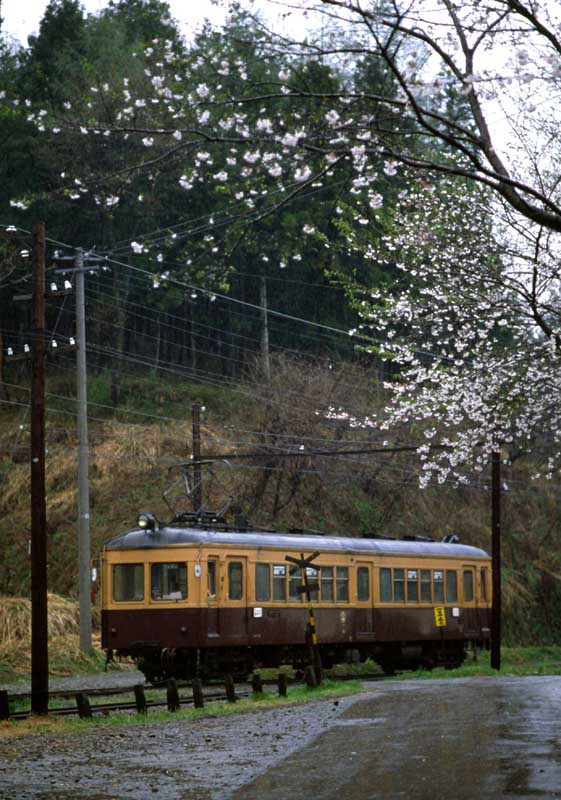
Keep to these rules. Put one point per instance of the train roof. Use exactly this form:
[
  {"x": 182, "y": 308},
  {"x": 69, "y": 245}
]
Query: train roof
[{"x": 167, "y": 536}]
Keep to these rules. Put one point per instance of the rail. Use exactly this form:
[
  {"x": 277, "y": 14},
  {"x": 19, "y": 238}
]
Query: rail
[{"x": 173, "y": 700}]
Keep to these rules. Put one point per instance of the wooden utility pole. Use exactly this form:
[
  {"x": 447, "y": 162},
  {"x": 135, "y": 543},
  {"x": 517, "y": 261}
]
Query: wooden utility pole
[
  {"x": 39, "y": 618},
  {"x": 197, "y": 479},
  {"x": 496, "y": 559}
]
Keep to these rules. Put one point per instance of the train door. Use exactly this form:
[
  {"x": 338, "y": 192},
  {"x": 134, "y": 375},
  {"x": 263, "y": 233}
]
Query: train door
[
  {"x": 364, "y": 601},
  {"x": 471, "y": 615},
  {"x": 212, "y": 597},
  {"x": 234, "y": 621}
]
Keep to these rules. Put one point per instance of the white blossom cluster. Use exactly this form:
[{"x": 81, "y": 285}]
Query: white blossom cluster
[{"x": 474, "y": 325}]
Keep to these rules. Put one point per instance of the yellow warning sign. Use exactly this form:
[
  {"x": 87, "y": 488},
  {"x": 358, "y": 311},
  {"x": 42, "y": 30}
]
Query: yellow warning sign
[{"x": 439, "y": 617}]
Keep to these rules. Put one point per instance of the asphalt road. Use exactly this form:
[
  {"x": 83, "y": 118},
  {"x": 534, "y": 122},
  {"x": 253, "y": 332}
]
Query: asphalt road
[{"x": 457, "y": 739}]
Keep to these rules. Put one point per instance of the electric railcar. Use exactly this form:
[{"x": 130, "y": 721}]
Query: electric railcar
[{"x": 186, "y": 601}]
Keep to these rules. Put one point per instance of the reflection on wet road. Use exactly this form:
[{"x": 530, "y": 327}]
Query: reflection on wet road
[{"x": 445, "y": 740}]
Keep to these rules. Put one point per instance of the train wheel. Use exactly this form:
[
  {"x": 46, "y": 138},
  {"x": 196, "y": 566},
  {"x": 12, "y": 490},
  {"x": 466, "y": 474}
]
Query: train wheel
[{"x": 152, "y": 671}]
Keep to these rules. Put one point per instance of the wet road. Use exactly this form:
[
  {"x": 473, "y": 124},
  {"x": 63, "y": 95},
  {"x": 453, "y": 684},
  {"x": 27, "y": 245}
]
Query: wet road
[
  {"x": 426, "y": 740},
  {"x": 476, "y": 738}
]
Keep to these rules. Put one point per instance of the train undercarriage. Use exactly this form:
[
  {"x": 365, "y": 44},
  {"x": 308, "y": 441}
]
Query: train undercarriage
[{"x": 159, "y": 663}]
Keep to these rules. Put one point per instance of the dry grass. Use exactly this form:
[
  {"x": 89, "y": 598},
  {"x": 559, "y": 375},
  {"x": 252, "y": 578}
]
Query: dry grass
[
  {"x": 63, "y": 629},
  {"x": 15, "y": 619}
]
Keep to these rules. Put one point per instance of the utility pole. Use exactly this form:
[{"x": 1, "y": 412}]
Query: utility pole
[
  {"x": 197, "y": 479},
  {"x": 496, "y": 559},
  {"x": 39, "y": 615},
  {"x": 84, "y": 545},
  {"x": 264, "y": 328}
]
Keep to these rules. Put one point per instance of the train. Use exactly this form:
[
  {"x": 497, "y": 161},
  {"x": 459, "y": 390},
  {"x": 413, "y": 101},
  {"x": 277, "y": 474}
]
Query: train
[{"x": 201, "y": 598}]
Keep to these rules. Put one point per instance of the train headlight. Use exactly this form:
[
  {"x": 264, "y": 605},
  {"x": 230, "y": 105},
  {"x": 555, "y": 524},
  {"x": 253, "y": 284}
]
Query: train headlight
[{"x": 148, "y": 522}]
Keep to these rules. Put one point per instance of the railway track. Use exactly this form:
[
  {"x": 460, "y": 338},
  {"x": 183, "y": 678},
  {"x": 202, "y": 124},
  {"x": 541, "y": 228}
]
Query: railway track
[
  {"x": 105, "y": 709},
  {"x": 185, "y": 701}
]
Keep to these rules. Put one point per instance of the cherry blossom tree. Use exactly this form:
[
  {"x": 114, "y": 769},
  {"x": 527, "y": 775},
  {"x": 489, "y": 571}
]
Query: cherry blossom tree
[
  {"x": 472, "y": 324},
  {"x": 465, "y": 97}
]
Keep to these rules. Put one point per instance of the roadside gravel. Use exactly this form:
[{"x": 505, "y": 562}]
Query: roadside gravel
[{"x": 205, "y": 759}]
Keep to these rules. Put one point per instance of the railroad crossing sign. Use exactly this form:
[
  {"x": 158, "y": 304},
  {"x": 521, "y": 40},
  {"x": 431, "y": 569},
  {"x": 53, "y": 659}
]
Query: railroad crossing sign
[
  {"x": 306, "y": 589},
  {"x": 439, "y": 617}
]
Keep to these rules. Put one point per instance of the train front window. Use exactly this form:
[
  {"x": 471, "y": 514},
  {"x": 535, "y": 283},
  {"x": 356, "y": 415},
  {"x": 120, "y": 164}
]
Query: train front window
[
  {"x": 235, "y": 580},
  {"x": 438, "y": 585},
  {"x": 168, "y": 581},
  {"x": 262, "y": 582},
  {"x": 451, "y": 586},
  {"x": 128, "y": 582},
  {"x": 279, "y": 583}
]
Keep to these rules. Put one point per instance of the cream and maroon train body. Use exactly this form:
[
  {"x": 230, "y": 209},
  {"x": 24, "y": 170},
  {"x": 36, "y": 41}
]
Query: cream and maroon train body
[{"x": 186, "y": 600}]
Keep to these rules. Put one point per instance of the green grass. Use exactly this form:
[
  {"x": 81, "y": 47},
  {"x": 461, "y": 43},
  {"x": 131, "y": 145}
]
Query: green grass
[
  {"x": 266, "y": 700},
  {"x": 534, "y": 660}
]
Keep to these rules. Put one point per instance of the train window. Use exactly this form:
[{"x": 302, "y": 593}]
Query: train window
[
  {"x": 425, "y": 586},
  {"x": 438, "y": 585},
  {"x": 342, "y": 580},
  {"x": 483, "y": 584},
  {"x": 412, "y": 585},
  {"x": 363, "y": 583},
  {"x": 168, "y": 581},
  {"x": 399, "y": 585},
  {"x": 235, "y": 580},
  {"x": 128, "y": 582},
  {"x": 385, "y": 585},
  {"x": 211, "y": 578},
  {"x": 294, "y": 584},
  {"x": 313, "y": 577},
  {"x": 279, "y": 582},
  {"x": 262, "y": 582},
  {"x": 451, "y": 586},
  {"x": 468, "y": 585},
  {"x": 326, "y": 579}
]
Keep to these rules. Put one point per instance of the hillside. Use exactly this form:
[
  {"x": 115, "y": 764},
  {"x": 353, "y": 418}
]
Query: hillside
[{"x": 132, "y": 449}]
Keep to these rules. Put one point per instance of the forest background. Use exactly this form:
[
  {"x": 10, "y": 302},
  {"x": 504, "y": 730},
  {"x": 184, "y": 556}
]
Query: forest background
[{"x": 196, "y": 251}]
